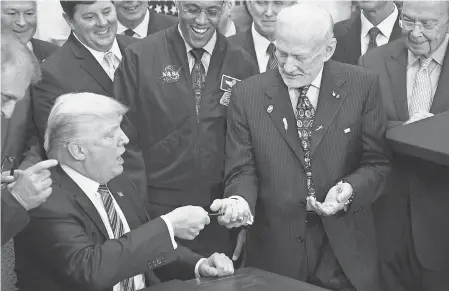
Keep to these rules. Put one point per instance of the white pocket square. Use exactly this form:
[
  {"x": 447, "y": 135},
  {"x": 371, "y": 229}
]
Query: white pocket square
[{"x": 347, "y": 130}]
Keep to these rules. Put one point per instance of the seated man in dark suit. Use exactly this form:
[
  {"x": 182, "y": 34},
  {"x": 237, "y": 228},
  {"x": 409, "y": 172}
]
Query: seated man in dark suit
[
  {"x": 94, "y": 233},
  {"x": 137, "y": 20},
  {"x": 376, "y": 24},
  {"x": 259, "y": 41}
]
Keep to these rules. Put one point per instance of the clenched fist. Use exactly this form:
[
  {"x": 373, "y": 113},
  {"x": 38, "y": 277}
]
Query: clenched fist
[{"x": 188, "y": 221}]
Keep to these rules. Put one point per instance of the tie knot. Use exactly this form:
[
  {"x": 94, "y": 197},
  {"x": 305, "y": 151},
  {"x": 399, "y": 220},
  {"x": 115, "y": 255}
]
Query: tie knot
[
  {"x": 197, "y": 53},
  {"x": 271, "y": 49},
  {"x": 374, "y": 32},
  {"x": 129, "y": 32},
  {"x": 103, "y": 189},
  {"x": 303, "y": 90},
  {"x": 110, "y": 57},
  {"x": 424, "y": 63}
]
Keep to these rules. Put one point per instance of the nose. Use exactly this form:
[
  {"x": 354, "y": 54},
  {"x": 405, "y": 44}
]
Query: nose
[
  {"x": 202, "y": 18},
  {"x": 270, "y": 11},
  {"x": 102, "y": 20},
  {"x": 417, "y": 30},
  {"x": 124, "y": 140},
  {"x": 21, "y": 20},
  {"x": 289, "y": 64}
]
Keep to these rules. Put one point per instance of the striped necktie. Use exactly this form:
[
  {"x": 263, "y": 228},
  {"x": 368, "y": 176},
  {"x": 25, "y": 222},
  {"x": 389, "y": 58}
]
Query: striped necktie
[
  {"x": 116, "y": 225},
  {"x": 112, "y": 63},
  {"x": 421, "y": 99},
  {"x": 373, "y": 33},
  {"x": 272, "y": 61}
]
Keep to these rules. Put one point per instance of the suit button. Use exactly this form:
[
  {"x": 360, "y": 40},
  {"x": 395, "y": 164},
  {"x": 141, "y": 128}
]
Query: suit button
[
  {"x": 300, "y": 239},
  {"x": 302, "y": 203},
  {"x": 164, "y": 260},
  {"x": 159, "y": 261},
  {"x": 150, "y": 265}
]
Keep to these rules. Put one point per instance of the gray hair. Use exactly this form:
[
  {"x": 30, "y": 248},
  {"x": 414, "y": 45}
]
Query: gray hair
[
  {"x": 73, "y": 116},
  {"x": 19, "y": 57}
]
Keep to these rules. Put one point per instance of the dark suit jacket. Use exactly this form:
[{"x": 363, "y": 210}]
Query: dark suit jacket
[
  {"x": 66, "y": 245},
  {"x": 19, "y": 140},
  {"x": 184, "y": 158},
  {"x": 159, "y": 21},
  {"x": 347, "y": 33},
  {"x": 74, "y": 69},
  {"x": 245, "y": 40},
  {"x": 265, "y": 165},
  {"x": 426, "y": 182}
]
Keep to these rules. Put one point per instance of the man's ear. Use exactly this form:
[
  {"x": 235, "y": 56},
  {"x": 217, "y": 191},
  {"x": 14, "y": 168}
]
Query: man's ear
[
  {"x": 77, "y": 151},
  {"x": 69, "y": 20},
  {"x": 330, "y": 48}
]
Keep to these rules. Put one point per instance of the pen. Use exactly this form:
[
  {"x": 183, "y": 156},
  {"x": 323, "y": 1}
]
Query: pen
[{"x": 215, "y": 214}]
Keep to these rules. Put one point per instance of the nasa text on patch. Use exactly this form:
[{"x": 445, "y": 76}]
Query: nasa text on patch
[{"x": 227, "y": 83}]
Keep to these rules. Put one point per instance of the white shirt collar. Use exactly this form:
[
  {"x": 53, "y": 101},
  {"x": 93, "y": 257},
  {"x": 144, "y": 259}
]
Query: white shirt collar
[
  {"x": 99, "y": 56},
  {"x": 87, "y": 185},
  {"x": 317, "y": 81},
  {"x": 232, "y": 30},
  {"x": 260, "y": 42},
  {"x": 385, "y": 27},
  {"x": 209, "y": 47},
  {"x": 30, "y": 45},
  {"x": 141, "y": 30}
]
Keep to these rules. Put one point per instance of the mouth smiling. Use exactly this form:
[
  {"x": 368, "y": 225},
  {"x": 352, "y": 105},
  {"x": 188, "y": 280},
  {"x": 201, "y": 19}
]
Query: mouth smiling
[
  {"x": 200, "y": 31},
  {"x": 131, "y": 8},
  {"x": 103, "y": 32}
]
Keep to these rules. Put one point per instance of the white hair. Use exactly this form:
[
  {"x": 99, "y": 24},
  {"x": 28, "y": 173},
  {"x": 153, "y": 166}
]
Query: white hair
[{"x": 73, "y": 116}]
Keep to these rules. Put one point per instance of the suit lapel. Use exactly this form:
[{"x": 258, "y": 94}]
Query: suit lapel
[
  {"x": 37, "y": 52},
  {"x": 122, "y": 199},
  {"x": 4, "y": 132},
  {"x": 396, "y": 66},
  {"x": 397, "y": 31},
  {"x": 441, "y": 99},
  {"x": 279, "y": 107},
  {"x": 330, "y": 100},
  {"x": 80, "y": 197},
  {"x": 213, "y": 77},
  {"x": 90, "y": 64},
  {"x": 248, "y": 45},
  {"x": 352, "y": 41}
]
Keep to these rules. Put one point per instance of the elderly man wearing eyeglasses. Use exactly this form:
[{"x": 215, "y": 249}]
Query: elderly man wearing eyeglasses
[
  {"x": 412, "y": 215},
  {"x": 177, "y": 84}
]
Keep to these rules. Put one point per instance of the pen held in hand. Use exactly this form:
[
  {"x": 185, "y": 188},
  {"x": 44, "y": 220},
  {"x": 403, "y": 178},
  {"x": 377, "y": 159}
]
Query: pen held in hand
[{"x": 215, "y": 214}]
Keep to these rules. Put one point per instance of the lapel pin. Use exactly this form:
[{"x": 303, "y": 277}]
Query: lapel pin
[
  {"x": 347, "y": 130},
  {"x": 333, "y": 94},
  {"x": 284, "y": 120},
  {"x": 120, "y": 194},
  {"x": 270, "y": 109},
  {"x": 319, "y": 127}
]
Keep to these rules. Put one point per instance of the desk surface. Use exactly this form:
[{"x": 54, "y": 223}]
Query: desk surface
[{"x": 247, "y": 279}]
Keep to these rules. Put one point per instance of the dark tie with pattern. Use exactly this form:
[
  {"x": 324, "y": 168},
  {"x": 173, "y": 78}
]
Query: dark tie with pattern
[
  {"x": 129, "y": 32},
  {"x": 198, "y": 78},
  {"x": 373, "y": 33},
  {"x": 116, "y": 225},
  {"x": 305, "y": 115},
  {"x": 272, "y": 61}
]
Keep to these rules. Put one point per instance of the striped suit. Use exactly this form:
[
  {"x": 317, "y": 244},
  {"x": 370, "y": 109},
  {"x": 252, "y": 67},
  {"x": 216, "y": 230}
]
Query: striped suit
[{"x": 265, "y": 165}]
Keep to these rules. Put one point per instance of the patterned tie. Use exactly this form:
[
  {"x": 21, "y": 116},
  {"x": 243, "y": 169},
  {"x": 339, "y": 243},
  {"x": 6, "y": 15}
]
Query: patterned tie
[
  {"x": 112, "y": 64},
  {"x": 421, "y": 99},
  {"x": 129, "y": 32},
  {"x": 373, "y": 33},
  {"x": 116, "y": 225},
  {"x": 305, "y": 115},
  {"x": 272, "y": 61},
  {"x": 198, "y": 78},
  {"x": 8, "y": 263}
]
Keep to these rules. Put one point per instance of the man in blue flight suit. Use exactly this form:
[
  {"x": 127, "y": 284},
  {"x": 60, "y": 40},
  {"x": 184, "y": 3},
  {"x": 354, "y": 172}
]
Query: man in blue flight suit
[{"x": 177, "y": 84}]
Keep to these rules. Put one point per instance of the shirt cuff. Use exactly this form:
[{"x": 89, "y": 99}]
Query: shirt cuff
[
  {"x": 197, "y": 267},
  {"x": 243, "y": 200},
  {"x": 18, "y": 198},
  {"x": 170, "y": 231}
]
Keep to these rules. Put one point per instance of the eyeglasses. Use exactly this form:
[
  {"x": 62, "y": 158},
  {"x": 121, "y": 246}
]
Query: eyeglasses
[
  {"x": 426, "y": 25},
  {"x": 195, "y": 11}
]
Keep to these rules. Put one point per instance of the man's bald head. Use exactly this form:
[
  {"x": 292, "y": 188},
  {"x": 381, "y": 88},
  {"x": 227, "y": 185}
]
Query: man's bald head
[{"x": 304, "y": 41}]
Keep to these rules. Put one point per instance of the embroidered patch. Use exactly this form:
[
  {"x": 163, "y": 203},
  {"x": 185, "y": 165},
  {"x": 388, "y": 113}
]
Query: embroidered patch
[
  {"x": 170, "y": 74},
  {"x": 227, "y": 83},
  {"x": 225, "y": 98}
]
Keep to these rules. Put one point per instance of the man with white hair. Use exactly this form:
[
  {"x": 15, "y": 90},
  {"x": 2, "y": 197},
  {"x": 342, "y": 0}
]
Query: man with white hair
[
  {"x": 94, "y": 232},
  {"x": 306, "y": 156}
]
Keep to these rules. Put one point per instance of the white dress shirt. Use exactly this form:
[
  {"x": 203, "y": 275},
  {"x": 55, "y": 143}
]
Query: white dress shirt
[
  {"x": 385, "y": 27},
  {"x": 232, "y": 30},
  {"x": 90, "y": 188},
  {"x": 434, "y": 69},
  {"x": 205, "y": 59},
  {"x": 260, "y": 46},
  {"x": 140, "y": 31},
  {"x": 312, "y": 93},
  {"x": 99, "y": 56}
]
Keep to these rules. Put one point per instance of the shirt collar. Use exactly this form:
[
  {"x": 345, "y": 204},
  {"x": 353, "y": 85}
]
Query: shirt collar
[
  {"x": 317, "y": 81},
  {"x": 437, "y": 56},
  {"x": 30, "y": 45},
  {"x": 385, "y": 27},
  {"x": 209, "y": 47},
  {"x": 87, "y": 185},
  {"x": 99, "y": 56},
  {"x": 141, "y": 30},
  {"x": 259, "y": 40},
  {"x": 232, "y": 30}
]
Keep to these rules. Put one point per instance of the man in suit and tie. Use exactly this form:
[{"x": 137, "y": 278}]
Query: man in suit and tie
[
  {"x": 305, "y": 158},
  {"x": 137, "y": 20},
  {"x": 175, "y": 85},
  {"x": 412, "y": 214},
  {"x": 93, "y": 233},
  {"x": 375, "y": 25},
  {"x": 85, "y": 63},
  {"x": 260, "y": 40}
]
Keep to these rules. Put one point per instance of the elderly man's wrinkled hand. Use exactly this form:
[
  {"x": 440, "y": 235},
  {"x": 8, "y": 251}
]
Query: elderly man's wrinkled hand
[
  {"x": 234, "y": 212},
  {"x": 217, "y": 265}
]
